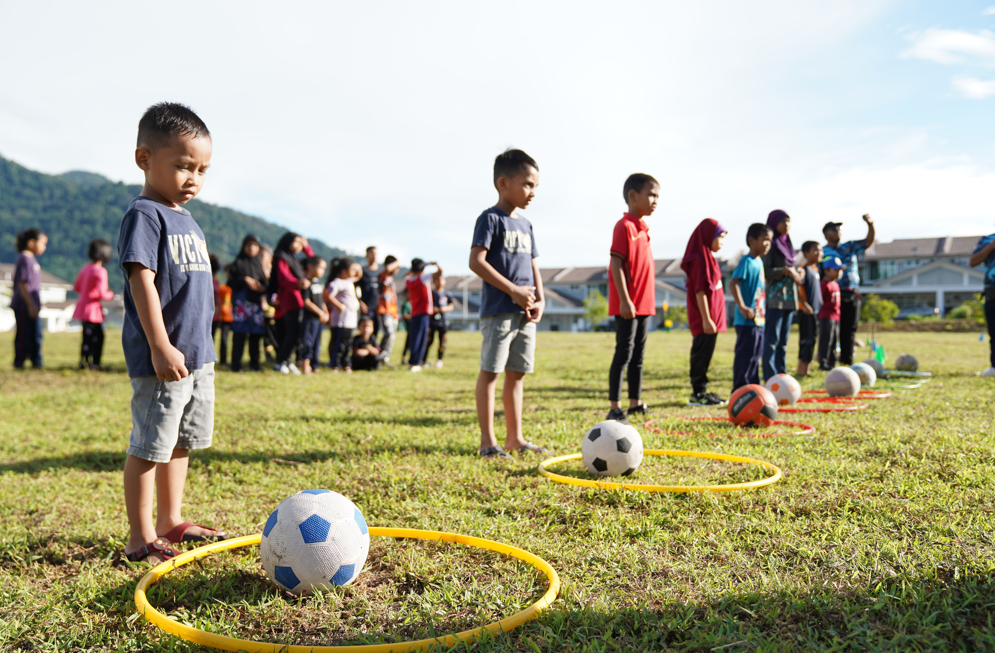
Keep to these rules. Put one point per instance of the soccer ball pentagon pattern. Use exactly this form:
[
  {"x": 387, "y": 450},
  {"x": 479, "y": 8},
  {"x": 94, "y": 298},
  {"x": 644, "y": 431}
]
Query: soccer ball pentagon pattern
[
  {"x": 314, "y": 539},
  {"x": 785, "y": 389},
  {"x": 612, "y": 449}
]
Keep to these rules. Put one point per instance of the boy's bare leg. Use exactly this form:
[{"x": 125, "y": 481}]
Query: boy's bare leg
[
  {"x": 514, "y": 386},
  {"x": 139, "y": 479},
  {"x": 485, "y": 408},
  {"x": 170, "y": 479},
  {"x": 802, "y": 368},
  {"x": 306, "y": 366}
]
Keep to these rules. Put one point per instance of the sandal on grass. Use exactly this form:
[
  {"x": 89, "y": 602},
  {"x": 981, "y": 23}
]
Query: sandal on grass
[
  {"x": 179, "y": 534},
  {"x": 494, "y": 452},
  {"x": 155, "y": 552},
  {"x": 530, "y": 447}
]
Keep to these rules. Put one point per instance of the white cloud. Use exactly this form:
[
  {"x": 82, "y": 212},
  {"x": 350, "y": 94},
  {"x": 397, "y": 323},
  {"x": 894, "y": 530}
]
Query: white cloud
[
  {"x": 990, "y": 11},
  {"x": 951, "y": 46},
  {"x": 973, "y": 88}
]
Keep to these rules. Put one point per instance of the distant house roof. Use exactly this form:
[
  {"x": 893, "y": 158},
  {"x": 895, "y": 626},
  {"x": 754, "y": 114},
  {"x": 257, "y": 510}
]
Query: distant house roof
[
  {"x": 580, "y": 275},
  {"x": 47, "y": 279},
  {"x": 922, "y": 247}
]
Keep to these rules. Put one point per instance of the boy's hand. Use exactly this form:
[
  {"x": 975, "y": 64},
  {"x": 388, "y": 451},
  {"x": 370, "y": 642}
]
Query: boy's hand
[
  {"x": 254, "y": 285},
  {"x": 535, "y": 311},
  {"x": 169, "y": 363},
  {"x": 708, "y": 326},
  {"x": 523, "y": 297},
  {"x": 304, "y": 284},
  {"x": 748, "y": 312},
  {"x": 363, "y": 308},
  {"x": 807, "y": 308},
  {"x": 627, "y": 309},
  {"x": 867, "y": 218}
]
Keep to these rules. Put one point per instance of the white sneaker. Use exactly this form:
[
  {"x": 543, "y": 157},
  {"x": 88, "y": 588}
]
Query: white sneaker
[
  {"x": 282, "y": 369},
  {"x": 293, "y": 369},
  {"x": 416, "y": 368},
  {"x": 989, "y": 372},
  {"x": 438, "y": 364}
]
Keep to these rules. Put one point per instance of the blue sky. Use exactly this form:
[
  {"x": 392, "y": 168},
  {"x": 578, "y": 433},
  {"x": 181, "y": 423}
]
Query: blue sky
[{"x": 378, "y": 124}]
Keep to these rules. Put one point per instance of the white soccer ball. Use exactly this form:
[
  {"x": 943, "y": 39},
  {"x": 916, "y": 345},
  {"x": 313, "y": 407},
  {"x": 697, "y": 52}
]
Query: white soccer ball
[
  {"x": 785, "y": 389},
  {"x": 875, "y": 365},
  {"x": 907, "y": 363},
  {"x": 868, "y": 377},
  {"x": 842, "y": 382},
  {"x": 612, "y": 449},
  {"x": 314, "y": 539}
]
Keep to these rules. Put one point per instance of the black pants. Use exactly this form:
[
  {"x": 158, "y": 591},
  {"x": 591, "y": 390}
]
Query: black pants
[
  {"x": 224, "y": 327},
  {"x": 828, "y": 333},
  {"x": 808, "y": 332},
  {"x": 27, "y": 339},
  {"x": 746, "y": 361},
  {"x": 365, "y": 362},
  {"x": 702, "y": 348},
  {"x": 407, "y": 340},
  {"x": 442, "y": 332},
  {"x": 93, "y": 344},
  {"x": 849, "y": 319},
  {"x": 291, "y": 336},
  {"x": 630, "y": 345},
  {"x": 990, "y": 319},
  {"x": 238, "y": 347},
  {"x": 338, "y": 347}
]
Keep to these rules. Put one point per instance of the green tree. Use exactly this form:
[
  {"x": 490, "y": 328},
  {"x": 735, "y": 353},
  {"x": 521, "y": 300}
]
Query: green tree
[
  {"x": 876, "y": 309},
  {"x": 595, "y": 308}
]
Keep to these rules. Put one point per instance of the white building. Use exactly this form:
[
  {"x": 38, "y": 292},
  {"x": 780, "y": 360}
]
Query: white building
[{"x": 56, "y": 310}]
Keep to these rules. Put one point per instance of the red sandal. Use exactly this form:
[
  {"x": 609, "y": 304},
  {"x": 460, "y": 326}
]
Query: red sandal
[
  {"x": 179, "y": 534},
  {"x": 159, "y": 548}
]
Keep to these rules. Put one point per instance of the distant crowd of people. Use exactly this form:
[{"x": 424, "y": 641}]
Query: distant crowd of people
[{"x": 282, "y": 310}]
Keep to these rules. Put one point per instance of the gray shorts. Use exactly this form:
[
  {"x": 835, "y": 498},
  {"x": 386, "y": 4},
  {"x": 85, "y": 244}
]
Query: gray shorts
[
  {"x": 167, "y": 416},
  {"x": 509, "y": 343}
]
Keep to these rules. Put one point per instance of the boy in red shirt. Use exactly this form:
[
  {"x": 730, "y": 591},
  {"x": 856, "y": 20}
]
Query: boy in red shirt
[
  {"x": 417, "y": 282},
  {"x": 829, "y": 314},
  {"x": 631, "y": 293}
]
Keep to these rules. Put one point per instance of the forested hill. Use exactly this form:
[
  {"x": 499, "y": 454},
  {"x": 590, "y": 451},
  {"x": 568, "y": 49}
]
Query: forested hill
[{"x": 78, "y": 206}]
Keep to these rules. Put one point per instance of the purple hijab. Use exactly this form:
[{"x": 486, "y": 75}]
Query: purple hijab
[{"x": 782, "y": 242}]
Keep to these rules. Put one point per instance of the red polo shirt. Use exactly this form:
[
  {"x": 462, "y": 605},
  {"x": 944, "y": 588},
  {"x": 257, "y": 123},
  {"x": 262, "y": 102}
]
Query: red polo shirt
[{"x": 631, "y": 243}]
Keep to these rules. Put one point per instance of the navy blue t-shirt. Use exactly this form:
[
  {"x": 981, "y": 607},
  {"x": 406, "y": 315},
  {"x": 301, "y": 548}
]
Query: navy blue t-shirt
[
  {"x": 510, "y": 248},
  {"x": 170, "y": 243},
  {"x": 439, "y": 301}
]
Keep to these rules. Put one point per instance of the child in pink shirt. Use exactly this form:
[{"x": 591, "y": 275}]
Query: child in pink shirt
[{"x": 91, "y": 284}]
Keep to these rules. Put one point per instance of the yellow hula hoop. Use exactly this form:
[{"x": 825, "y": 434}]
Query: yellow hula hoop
[
  {"x": 609, "y": 485},
  {"x": 231, "y": 644}
]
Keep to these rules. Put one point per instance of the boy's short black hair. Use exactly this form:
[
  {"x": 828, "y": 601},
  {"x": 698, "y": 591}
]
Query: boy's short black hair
[
  {"x": 34, "y": 233},
  {"x": 417, "y": 265},
  {"x": 389, "y": 259},
  {"x": 168, "y": 120},
  {"x": 365, "y": 318},
  {"x": 756, "y": 230},
  {"x": 99, "y": 250},
  {"x": 370, "y": 247},
  {"x": 637, "y": 182},
  {"x": 215, "y": 263},
  {"x": 314, "y": 261},
  {"x": 809, "y": 245},
  {"x": 512, "y": 162}
]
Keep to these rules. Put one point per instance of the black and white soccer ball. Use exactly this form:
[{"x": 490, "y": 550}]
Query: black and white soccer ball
[{"x": 612, "y": 449}]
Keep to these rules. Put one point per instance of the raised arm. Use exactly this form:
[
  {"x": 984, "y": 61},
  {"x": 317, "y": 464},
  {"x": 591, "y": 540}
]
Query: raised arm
[
  {"x": 871, "y": 233},
  {"x": 979, "y": 257}
]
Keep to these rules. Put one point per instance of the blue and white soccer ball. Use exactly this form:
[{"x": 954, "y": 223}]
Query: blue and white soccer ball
[{"x": 314, "y": 539}]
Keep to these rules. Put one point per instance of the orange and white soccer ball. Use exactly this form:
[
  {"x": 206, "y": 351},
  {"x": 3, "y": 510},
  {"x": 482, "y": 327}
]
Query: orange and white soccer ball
[{"x": 785, "y": 389}]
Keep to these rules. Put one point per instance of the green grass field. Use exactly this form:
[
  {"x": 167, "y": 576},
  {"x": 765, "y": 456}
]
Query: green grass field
[{"x": 879, "y": 537}]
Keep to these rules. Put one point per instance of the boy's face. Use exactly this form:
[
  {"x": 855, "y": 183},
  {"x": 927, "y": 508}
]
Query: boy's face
[
  {"x": 760, "y": 245},
  {"x": 519, "y": 190},
  {"x": 175, "y": 172},
  {"x": 314, "y": 271},
  {"x": 371, "y": 256},
  {"x": 366, "y": 329},
  {"x": 832, "y": 274},
  {"x": 814, "y": 255},
  {"x": 439, "y": 283},
  {"x": 833, "y": 236},
  {"x": 643, "y": 203},
  {"x": 38, "y": 245}
]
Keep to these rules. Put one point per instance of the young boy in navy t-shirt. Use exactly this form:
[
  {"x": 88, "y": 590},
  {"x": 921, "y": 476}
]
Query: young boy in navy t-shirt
[
  {"x": 169, "y": 305},
  {"x": 503, "y": 253},
  {"x": 631, "y": 293},
  {"x": 747, "y": 287}
]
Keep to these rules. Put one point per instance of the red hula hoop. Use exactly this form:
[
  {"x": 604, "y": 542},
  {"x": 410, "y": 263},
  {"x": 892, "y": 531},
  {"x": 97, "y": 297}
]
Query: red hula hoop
[
  {"x": 846, "y": 404},
  {"x": 806, "y": 428}
]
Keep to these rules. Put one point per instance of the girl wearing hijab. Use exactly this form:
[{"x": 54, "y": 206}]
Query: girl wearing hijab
[
  {"x": 248, "y": 282},
  {"x": 289, "y": 280},
  {"x": 706, "y": 304},
  {"x": 782, "y": 298}
]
